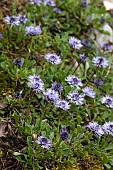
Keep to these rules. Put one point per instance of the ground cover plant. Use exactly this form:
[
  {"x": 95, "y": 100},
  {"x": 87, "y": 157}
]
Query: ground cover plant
[{"x": 56, "y": 87}]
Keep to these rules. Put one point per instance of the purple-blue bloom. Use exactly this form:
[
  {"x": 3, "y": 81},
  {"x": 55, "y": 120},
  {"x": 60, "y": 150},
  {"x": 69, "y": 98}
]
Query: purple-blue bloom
[
  {"x": 37, "y": 2},
  {"x": 76, "y": 98},
  {"x": 22, "y": 18},
  {"x": 98, "y": 82},
  {"x": 74, "y": 81},
  {"x": 96, "y": 128},
  {"x": 18, "y": 62},
  {"x": 57, "y": 87},
  {"x": 107, "y": 101},
  {"x": 75, "y": 43},
  {"x": 57, "y": 10},
  {"x": 84, "y": 3},
  {"x": 100, "y": 61},
  {"x": 51, "y": 95},
  {"x": 49, "y": 3},
  {"x": 64, "y": 135},
  {"x": 18, "y": 94},
  {"x": 12, "y": 20},
  {"x": 83, "y": 58},
  {"x": 86, "y": 43},
  {"x": 0, "y": 35},
  {"x": 36, "y": 83},
  {"x": 88, "y": 92},
  {"x": 44, "y": 142},
  {"x": 31, "y": 30},
  {"x": 102, "y": 20},
  {"x": 62, "y": 104},
  {"x": 108, "y": 128},
  {"x": 53, "y": 58},
  {"x": 106, "y": 46}
]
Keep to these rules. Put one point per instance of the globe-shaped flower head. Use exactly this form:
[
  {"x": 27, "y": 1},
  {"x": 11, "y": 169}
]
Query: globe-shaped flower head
[
  {"x": 31, "y": 30},
  {"x": 44, "y": 142},
  {"x": 53, "y": 58},
  {"x": 64, "y": 135},
  {"x": 75, "y": 43}
]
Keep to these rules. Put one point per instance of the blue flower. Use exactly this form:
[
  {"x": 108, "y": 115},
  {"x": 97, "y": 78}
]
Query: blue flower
[
  {"x": 88, "y": 92},
  {"x": 102, "y": 20},
  {"x": 12, "y": 20},
  {"x": 18, "y": 94},
  {"x": 100, "y": 61},
  {"x": 106, "y": 46},
  {"x": 75, "y": 43},
  {"x": 64, "y": 135},
  {"x": 31, "y": 30},
  {"x": 107, "y": 101},
  {"x": 108, "y": 128},
  {"x": 0, "y": 35},
  {"x": 74, "y": 81},
  {"x": 51, "y": 95},
  {"x": 62, "y": 104},
  {"x": 83, "y": 58},
  {"x": 44, "y": 142},
  {"x": 98, "y": 82},
  {"x": 57, "y": 10},
  {"x": 84, "y": 3},
  {"x": 57, "y": 87},
  {"x": 49, "y": 3},
  {"x": 36, "y": 83},
  {"x": 37, "y": 2},
  {"x": 22, "y": 18},
  {"x": 96, "y": 128},
  {"x": 53, "y": 58},
  {"x": 18, "y": 62},
  {"x": 86, "y": 43},
  {"x": 76, "y": 98}
]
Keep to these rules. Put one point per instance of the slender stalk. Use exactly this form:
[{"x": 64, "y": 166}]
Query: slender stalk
[
  {"x": 59, "y": 118},
  {"x": 29, "y": 52}
]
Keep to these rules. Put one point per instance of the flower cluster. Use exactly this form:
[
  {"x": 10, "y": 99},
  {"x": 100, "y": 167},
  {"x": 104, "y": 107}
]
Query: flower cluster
[
  {"x": 96, "y": 128},
  {"x": 107, "y": 101},
  {"x": 18, "y": 61},
  {"x": 53, "y": 58},
  {"x": 51, "y": 95},
  {"x": 46, "y": 2},
  {"x": 84, "y": 3},
  {"x": 31, "y": 30},
  {"x": 74, "y": 81},
  {"x": 44, "y": 142},
  {"x": 36, "y": 83},
  {"x": 37, "y": 2},
  {"x": 98, "y": 82},
  {"x": 49, "y": 3},
  {"x": 64, "y": 135},
  {"x": 57, "y": 10},
  {"x": 57, "y": 87},
  {"x": 75, "y": 43},
  {"x": 83, "y": 58},
  {"x": 100, "y": 62},
  {"x": 18, "y": 94},
  {"x": 108, "y": 128},
  {"x": 62, "y": 104},
  {"x": 88, "y": 92},
  {"x": 15, "y": 20},
  {"x": 106, "y": 46},
  {"x": 100, "y": 130},
  {"x": 76, "y": 98}
]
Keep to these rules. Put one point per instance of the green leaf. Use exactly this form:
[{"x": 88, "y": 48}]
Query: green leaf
[
  {"x": 29, "y": 140},
  {"x": 17, "y": 153},
  {"x": 79, "y": 119},
  {"x": 107, "y": 166}
]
